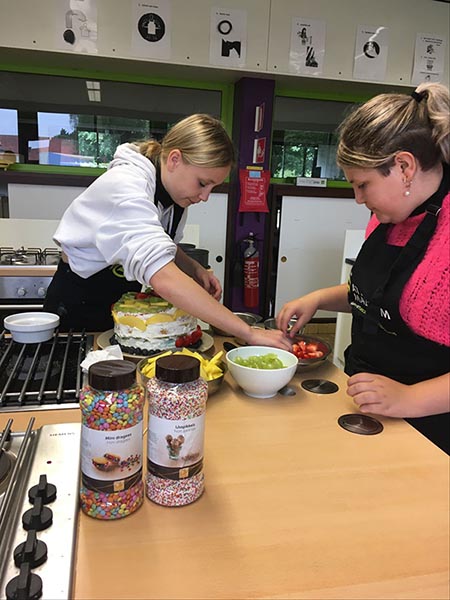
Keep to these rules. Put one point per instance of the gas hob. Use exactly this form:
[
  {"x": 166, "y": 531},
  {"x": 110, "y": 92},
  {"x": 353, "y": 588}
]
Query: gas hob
[{"x": 39, "y": 486}]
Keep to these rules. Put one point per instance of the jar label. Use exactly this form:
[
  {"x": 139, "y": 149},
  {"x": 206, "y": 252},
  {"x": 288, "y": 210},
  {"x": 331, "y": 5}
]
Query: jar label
[
  {"x": 175, "y": 448},
  {"x": 111, "y": 461}
]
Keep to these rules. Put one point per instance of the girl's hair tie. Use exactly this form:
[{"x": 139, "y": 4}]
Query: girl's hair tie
[{"x": 418, "y": 96}]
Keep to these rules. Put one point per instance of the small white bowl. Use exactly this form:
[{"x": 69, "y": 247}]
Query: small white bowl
[
  {"x": 31, "y": 327},
  {"x": 261, "y": 383}
]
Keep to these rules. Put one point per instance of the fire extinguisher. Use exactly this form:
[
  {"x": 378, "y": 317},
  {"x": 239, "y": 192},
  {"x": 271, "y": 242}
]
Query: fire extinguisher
[{"x": 251, "y": 273}]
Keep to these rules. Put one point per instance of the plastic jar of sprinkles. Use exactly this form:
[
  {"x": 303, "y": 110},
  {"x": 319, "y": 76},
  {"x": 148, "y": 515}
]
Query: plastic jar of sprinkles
[
  {"x": 177, "y": 402},
  {"x": 111, "y": 441}
]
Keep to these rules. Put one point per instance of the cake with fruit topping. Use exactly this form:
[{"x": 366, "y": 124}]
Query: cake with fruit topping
[{"x": 145, "y": 323}]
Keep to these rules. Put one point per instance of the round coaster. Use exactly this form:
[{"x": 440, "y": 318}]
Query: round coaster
[
  {"x": 362, "y": 424},
  {"x": 319, "y": 386}
]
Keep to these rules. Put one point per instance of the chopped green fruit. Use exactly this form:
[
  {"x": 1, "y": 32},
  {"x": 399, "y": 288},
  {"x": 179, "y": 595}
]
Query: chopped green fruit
[{"x": 265, "y": 361}]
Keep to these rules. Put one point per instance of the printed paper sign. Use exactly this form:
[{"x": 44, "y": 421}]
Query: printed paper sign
[
  {"x": 259, "y": 150},
  {"x": 371, "y": 53},
  {"x": 228, "y": 37},
  {"x": 307, "y": 49},
  {"x": 429, "y": 57},
  {"x": 151, "y": 29},
  {"x": 76, "y": 28}
]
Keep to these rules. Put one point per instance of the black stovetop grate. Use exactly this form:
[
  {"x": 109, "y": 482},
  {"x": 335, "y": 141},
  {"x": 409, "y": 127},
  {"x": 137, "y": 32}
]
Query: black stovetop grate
[{"x": 45, "y": 375}]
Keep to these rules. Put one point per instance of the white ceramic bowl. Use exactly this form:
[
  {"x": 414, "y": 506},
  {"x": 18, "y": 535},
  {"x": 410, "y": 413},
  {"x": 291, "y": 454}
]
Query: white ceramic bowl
[
  {"x": 31, "y": 327},
  {"x": 261, "y": 383}
]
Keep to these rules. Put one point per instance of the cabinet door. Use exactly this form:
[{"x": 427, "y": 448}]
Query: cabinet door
[
  {"x": 312, "y": 234},
  {"x": 211, "y": 217}
]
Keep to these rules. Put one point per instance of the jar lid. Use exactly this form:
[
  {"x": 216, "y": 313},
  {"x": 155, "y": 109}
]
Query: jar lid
[
  {"x": 177, "y": 368},
  {"x": 112, "y": 374}
]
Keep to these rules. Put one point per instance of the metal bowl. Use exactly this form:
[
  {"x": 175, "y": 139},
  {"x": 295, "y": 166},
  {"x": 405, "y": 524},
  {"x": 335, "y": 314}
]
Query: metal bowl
[
  {"x": 249, "y": 318},
  {"x": 305, "y": 364},
  {"x": 272, "y": 324},
  {"x": 213, "y": 385}
]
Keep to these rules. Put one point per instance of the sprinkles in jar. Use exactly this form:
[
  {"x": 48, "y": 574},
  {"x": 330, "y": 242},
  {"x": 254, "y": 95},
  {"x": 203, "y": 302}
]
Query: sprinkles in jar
[
  {"x": 177, "y": 402},
  {"x": 111, "y": 441}
]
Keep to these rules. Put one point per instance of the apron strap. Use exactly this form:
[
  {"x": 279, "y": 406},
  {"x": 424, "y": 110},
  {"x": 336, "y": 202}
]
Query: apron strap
[{"x": 412, "y": 251}]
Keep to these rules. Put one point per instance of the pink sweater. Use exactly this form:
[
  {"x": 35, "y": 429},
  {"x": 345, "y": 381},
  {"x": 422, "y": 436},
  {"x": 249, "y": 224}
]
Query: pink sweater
[{"x": 425, "y": 301}]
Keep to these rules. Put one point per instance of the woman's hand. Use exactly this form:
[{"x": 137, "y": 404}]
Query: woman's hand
[
  {"x": 258, "y": 336},
  {"x": 303, "y": 309},
  {"x": 380, "y": 395},
  {"x": 208, "y": 281},
  {"x": 383, "y": 396}
]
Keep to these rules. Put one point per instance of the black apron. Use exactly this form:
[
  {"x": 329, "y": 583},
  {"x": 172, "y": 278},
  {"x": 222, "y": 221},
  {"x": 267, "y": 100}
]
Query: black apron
[
  {"x": 381, "y": 341},
  {"x": 85, "y": 304}
]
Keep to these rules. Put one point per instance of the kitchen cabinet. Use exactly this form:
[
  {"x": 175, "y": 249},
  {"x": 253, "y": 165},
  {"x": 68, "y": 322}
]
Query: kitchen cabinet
[
  {"x": 211, "y": 218},
  {"x": 294, "y": 507},
  {"x": 312, "y": 233},
  {"x": 354, "y": 239}
]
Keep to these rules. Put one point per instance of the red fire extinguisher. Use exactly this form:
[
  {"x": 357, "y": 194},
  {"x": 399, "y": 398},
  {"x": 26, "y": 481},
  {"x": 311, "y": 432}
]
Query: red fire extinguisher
[{"x": 251, "y": 273}]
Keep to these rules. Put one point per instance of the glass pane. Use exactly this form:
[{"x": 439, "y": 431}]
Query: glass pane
[
  {"x": 72, "y": 130},
  {"x": 9, "y": 137},
  {"x": 58, "y": 142},
  {"x": 305, "y": 137}
]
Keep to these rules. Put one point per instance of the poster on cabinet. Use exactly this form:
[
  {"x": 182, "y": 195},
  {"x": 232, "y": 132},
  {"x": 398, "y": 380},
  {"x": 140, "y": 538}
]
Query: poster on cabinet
[
  {"x": 76, "y": 26},
  {"x": 307, "y": 50},
  {"x": 228, "y": 37},
  {"x": 371, "y": 51},
  {"x": 429, "y": 57},
  {"x": 151, "y": 26}
]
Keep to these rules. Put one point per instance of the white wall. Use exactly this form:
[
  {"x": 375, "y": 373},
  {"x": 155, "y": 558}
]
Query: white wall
[{"x": 35, "y": 25}]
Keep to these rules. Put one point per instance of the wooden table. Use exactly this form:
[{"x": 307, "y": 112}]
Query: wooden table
[{"x": 294, "y": 507}]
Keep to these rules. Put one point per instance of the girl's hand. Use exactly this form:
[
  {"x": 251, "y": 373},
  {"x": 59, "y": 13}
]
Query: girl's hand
[
  {"x": 208, "y": 281},
  {"x": 381, "y": 396},
  {"x": 268, "y": 337}
]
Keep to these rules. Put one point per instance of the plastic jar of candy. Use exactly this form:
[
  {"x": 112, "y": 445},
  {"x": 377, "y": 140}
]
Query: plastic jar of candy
[
  {"x": 111, "y": 441},
  {"x": 177, "y": 402}
]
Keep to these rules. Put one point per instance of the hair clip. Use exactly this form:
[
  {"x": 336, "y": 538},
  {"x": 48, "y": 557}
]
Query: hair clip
[{"x": 418, "y": 96}]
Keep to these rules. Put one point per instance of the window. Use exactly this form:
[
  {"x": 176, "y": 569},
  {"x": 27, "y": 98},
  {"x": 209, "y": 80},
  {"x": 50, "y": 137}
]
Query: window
[
  {"x": 58, "y": 121},
  {"x": 304, "y": 137},
  {"x": 9, "y": 135}
]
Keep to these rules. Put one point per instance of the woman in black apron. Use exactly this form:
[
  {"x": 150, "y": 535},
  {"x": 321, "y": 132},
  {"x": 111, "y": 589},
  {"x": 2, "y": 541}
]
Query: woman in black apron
[
  {"x": 389, "y": 153},
  {"x": 122, "y": 232}
]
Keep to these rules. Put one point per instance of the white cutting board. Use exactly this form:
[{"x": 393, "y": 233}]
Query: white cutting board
[{"x": 31, "y": 233}]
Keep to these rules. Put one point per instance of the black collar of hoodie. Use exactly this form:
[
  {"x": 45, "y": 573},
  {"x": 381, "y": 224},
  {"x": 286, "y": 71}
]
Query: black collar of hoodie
[
  {"x": 163, "y": 197},
  {"x": 161, "y": 194}
]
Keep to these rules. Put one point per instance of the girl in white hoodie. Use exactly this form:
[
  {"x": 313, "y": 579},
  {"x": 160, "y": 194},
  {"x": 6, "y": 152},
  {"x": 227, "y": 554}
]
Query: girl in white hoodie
[{"x": 122, "y": 233}]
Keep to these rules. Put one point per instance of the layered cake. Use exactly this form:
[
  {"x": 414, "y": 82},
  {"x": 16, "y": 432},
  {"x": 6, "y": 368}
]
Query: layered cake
[{"x": 145, "y": 324}]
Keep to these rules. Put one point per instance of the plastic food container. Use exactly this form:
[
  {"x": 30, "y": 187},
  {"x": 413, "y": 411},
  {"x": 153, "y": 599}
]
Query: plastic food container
[{"x": 31, "y": 327}]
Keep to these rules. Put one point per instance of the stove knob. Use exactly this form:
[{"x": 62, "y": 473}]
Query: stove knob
[
  {"x": 21, "y": 292},
  {"x": 46, "y": 491},
  {"x": 42, "y": 292},
  {"x": 26, "y": 586},
  {"x": 32, "y": 551},
  {"x": 39, "y": 517}
]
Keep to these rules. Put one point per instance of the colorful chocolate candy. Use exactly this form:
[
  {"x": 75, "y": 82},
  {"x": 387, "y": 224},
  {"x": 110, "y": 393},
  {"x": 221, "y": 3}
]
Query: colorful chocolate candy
[{"x": 111, "y": 441}]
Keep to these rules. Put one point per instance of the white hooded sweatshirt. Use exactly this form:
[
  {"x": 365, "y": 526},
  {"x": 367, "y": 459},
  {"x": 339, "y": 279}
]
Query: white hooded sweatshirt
[{"x": 116, "y": 220}]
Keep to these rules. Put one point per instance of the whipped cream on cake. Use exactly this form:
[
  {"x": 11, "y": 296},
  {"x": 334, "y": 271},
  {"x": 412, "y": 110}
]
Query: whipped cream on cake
[{"x": 145, "y": 323}]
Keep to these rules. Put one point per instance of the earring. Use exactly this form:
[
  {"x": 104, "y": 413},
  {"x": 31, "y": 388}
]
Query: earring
[{"x": 407, "y": 192}]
